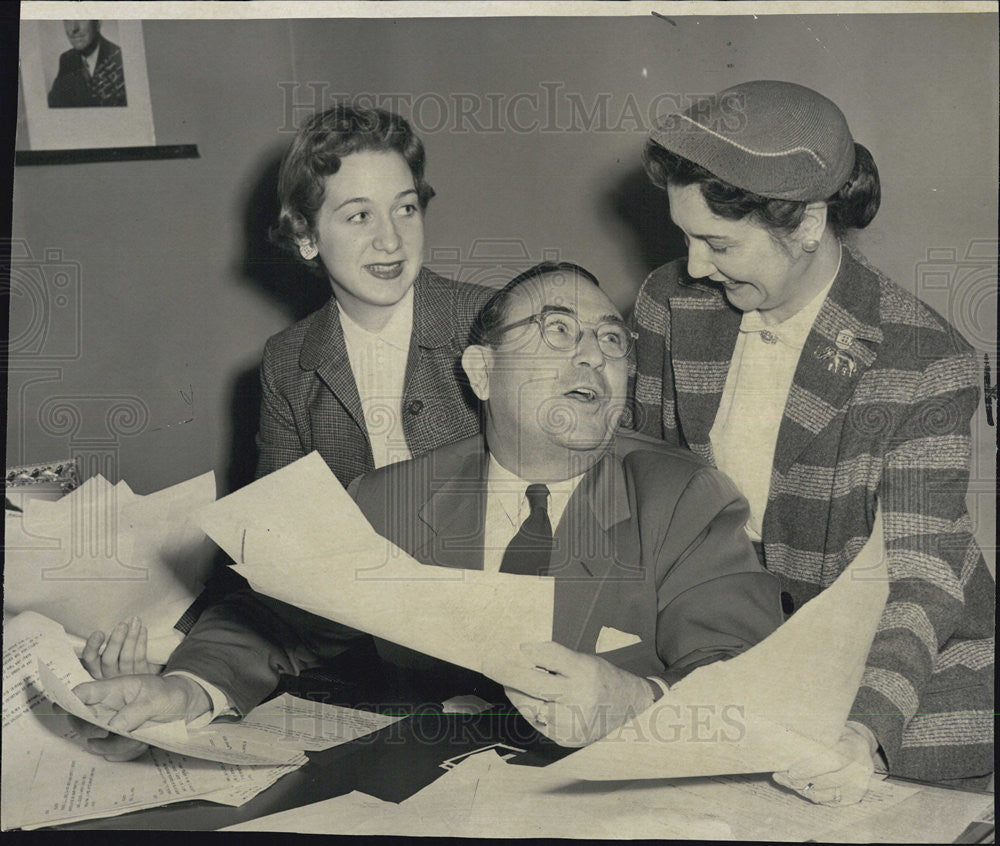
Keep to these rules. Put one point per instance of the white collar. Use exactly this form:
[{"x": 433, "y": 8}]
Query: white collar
[
  {"x": 502, "y": 483},
  {"x": 793, "y": 330},
  {"x": 396, "y": 332}
]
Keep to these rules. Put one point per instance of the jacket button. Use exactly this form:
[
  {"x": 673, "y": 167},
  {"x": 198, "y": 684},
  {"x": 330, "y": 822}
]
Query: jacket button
[
  {"x": 787, "y": 603},
  {"x": 415, "y": 406}
]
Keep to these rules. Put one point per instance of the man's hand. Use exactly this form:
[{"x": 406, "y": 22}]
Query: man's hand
[
  {"x": 571, "y": 697},
  {"x": 145, "y": 698},
  {"x": 112, "y": 747},
  {"x": 838, "y": 777},
  {"x": 124, "y": 654}
]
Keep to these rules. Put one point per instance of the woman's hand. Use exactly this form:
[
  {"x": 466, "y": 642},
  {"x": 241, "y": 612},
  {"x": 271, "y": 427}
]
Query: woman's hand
[
  {"x": 839, "y": 777},
  {"x": 123, "y": 655}
]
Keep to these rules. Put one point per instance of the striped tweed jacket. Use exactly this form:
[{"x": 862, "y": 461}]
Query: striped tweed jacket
[
  {"x": 311, "y": 402},
  {"x": 878, "y": 413}
]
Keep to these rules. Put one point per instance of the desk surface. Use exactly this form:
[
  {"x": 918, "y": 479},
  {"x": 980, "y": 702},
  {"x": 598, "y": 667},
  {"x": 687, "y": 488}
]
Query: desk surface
[
  {"x": 391, "y": 764},
  {"x": 399, "y": 760}
]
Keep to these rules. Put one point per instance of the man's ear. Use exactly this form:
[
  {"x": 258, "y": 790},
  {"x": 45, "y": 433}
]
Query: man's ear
[{"x": 477, "y": 361}]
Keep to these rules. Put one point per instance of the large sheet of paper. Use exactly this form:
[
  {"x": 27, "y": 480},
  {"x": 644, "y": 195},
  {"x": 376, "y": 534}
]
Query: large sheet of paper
[
  {"x": 133, "y": 555},
  {"x": 758, "y": 712},
  {"x": 49, "y": 776},
  {"x": 485, "y": 796},
  {"x": 297, "y": 536}
]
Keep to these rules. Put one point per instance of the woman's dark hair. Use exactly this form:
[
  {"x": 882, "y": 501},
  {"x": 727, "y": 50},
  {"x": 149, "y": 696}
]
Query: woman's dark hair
[
  {"x": 316, "y": 152},
  {"x": 852, "y": 207},
  {"x": 494, "y": 313}
]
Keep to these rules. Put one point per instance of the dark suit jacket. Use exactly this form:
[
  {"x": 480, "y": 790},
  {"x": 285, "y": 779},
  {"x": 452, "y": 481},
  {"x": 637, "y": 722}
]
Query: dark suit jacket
[
  {"x": 74, "y": 87},
  {"x": 310, "y": 400},
  {"x": 651, "y": 543}
]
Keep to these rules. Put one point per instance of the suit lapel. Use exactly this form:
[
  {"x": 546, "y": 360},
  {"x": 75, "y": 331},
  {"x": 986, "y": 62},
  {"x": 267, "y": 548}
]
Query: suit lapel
[
  {"x": 588, "y": 553},
  {"x": 455, "y": 513},
  {"x": 592, "y": 546},
  {"x": 703, "y": 332},
  {"x": 324, "y": 350},
  {"x": 841, "y": 346}
]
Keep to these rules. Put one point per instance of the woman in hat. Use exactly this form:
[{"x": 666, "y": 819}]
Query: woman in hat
[{"x": 825, "y": 391}]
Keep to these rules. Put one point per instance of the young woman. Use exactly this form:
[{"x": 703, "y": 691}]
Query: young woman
[
  {"x": 824, "y": 390},
  {"x": 373, "y": 377}
]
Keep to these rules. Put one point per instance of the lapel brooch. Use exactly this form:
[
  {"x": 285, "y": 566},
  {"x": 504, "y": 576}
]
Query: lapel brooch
[{"x": 838, "y": 359}]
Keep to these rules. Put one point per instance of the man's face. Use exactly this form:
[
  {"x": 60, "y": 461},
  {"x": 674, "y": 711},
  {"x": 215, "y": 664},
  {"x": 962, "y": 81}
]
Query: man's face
[
  {"x": 555, "y": 406},
  {"x": 81, "y": 34}
]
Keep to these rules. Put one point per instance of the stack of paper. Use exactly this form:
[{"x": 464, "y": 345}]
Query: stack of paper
[
  {"x": 131, "y": 555},
  {"x": 50, "y": 777},
  {"x": 297, "y": 535}
]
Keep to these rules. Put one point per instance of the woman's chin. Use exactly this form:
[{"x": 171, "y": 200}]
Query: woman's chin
[{"x": 742, "y": 296}]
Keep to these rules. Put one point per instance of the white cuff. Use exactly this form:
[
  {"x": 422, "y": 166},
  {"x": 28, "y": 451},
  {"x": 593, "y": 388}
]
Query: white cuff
[
  {"x": 221, "y": 706},
  {"x": 660, "y": 683}
]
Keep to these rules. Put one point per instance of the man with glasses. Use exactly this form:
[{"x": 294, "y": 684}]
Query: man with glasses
[{"x": 654, "y": 575}]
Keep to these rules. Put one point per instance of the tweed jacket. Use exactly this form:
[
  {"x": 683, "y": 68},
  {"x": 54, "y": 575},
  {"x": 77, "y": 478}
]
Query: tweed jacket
[
  {"x": 651, "y": 543},
  {"x": 311, "y": 402},
  {"x": 878, "y": 414}
]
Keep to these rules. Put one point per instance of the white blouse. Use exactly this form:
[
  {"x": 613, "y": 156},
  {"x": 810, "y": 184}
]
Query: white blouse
[
  {"x": 760, "y": 375},
  {"x": 378, "y": 362}
]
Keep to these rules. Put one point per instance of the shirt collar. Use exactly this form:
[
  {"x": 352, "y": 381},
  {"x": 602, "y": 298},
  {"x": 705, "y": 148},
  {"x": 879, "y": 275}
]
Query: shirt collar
[
  {"x": 396, "y": 332},
  {"x": 794, "y": 330},
  {"x": 501, "y": 481}
]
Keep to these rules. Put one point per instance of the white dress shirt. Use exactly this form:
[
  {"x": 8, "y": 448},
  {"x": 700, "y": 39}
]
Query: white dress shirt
[
  {"x": 378, "y": 362},
  {"x": 507, "y": 508},
  {"x": 91, "y": 61},
  {"x": 761, "y": 370}
]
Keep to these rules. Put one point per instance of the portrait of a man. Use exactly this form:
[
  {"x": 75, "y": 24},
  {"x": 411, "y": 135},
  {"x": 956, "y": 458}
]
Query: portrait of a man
[{"x": 90, "y": 72}]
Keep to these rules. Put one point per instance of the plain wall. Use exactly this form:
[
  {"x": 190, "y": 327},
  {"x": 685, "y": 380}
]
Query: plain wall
[{"x": 178, "y": 289}]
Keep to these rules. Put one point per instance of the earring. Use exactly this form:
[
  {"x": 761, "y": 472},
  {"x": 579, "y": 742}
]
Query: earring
[
  {"x": 308, "y": 251},
  {"x": 811, "y": 245}
]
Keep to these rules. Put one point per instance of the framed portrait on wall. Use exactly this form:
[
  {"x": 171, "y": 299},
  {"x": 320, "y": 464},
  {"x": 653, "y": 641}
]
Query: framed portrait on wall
[{"x": 83, "y": 86}]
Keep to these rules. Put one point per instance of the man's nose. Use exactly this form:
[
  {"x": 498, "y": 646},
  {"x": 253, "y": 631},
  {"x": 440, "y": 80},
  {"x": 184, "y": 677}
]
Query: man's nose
[{"x": 589, "y": 351}]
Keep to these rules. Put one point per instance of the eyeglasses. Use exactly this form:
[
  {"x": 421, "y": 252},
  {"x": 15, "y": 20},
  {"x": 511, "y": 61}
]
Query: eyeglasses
[{"x": 563, "y": 332}]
